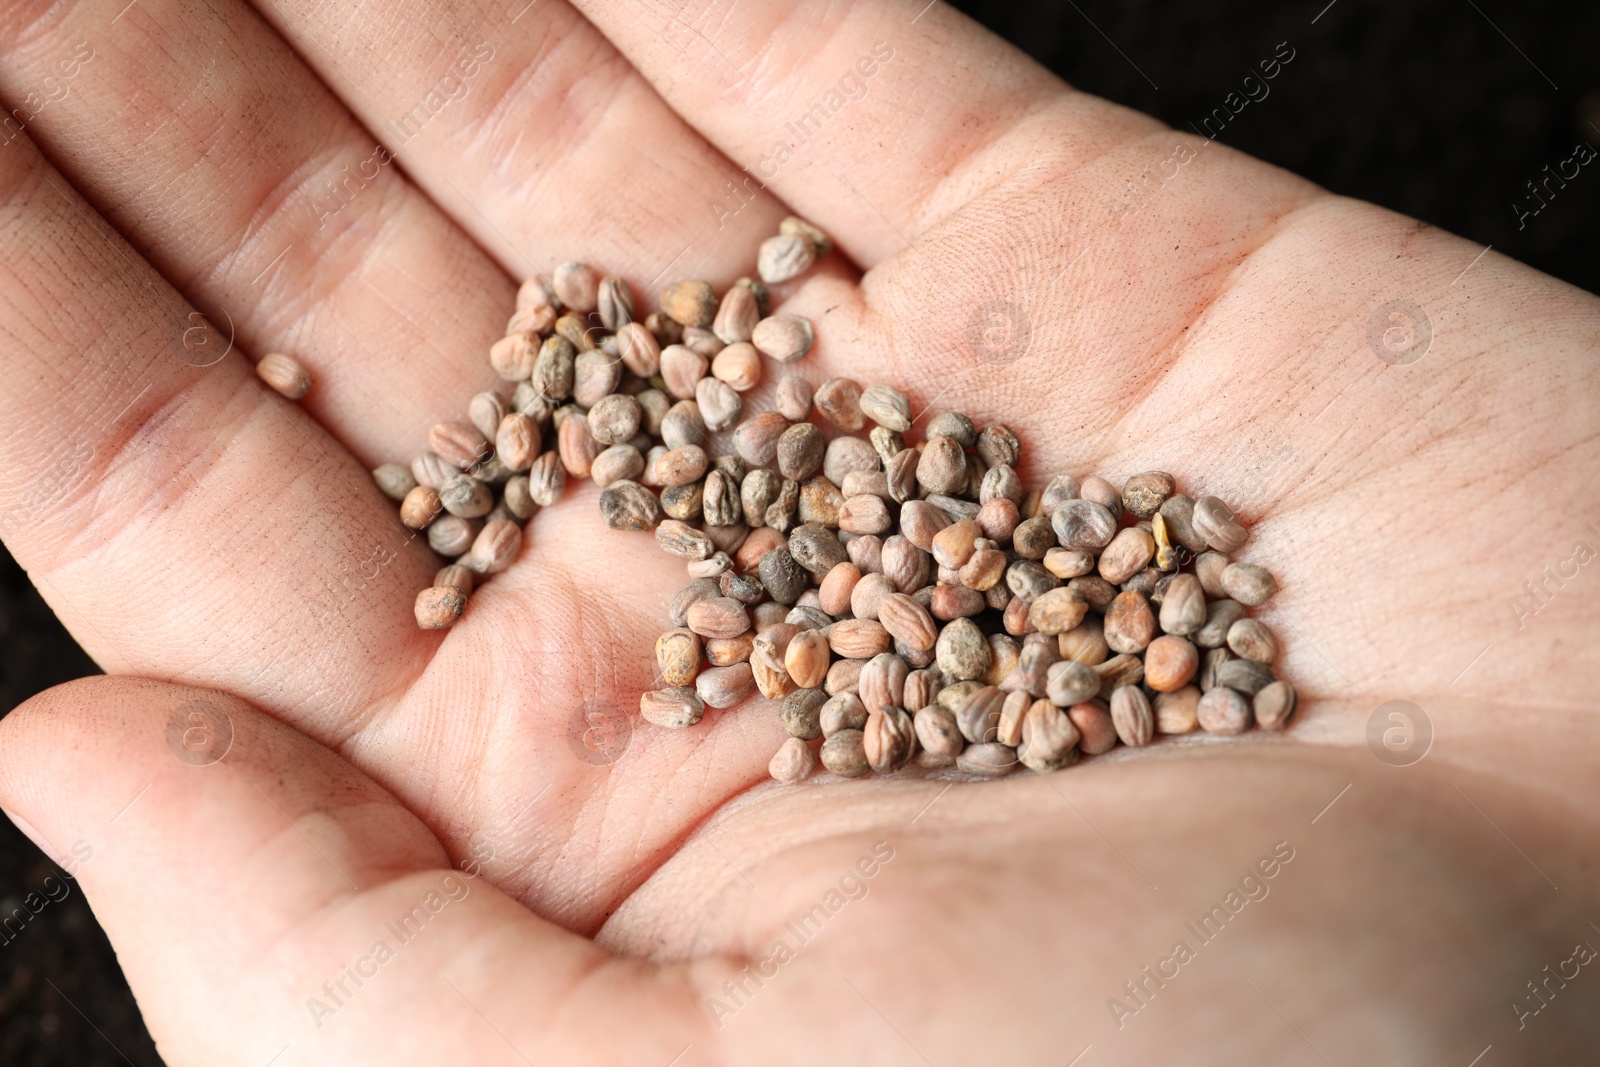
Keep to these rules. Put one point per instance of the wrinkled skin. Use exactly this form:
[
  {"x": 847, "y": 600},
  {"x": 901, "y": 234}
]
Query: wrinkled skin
[{"x": 206, "y": 540}]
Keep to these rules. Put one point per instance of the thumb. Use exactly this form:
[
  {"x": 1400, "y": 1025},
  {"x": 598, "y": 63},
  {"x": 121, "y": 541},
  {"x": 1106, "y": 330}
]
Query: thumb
[{"x": 271, "y": 904}]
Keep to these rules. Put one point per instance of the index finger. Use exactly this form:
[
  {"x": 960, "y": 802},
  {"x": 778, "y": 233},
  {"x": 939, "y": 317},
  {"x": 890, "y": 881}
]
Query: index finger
[{"x": 875, "y": 120}]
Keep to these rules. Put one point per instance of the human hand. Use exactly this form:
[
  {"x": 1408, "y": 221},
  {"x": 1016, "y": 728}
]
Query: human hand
[{"x": 1218, "y": 329}]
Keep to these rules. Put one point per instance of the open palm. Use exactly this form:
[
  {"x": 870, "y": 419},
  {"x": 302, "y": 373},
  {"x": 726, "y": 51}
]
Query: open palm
[{"x": 1412, "y": 427}]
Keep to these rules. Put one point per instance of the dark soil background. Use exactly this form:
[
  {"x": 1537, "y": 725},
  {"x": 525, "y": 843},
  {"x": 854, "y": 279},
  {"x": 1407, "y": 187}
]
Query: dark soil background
[{"x": 1428, "y": 108}]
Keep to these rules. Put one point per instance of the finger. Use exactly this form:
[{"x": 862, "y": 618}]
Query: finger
[
  {"x": 265, "y": 202},
  {"x": 182, "y": 520},
  {"x": 525, "y": 123},
  {"x": 307, "y": 910},
  {"x": 873, "y": 119}
]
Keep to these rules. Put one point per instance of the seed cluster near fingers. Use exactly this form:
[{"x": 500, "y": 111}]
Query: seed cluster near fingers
[
  {"x": 594, "y": 390},
  {"x": 901, "y": 594}
]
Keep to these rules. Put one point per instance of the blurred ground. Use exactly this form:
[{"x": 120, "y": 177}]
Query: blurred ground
[{"x": 1428, "y": 109}]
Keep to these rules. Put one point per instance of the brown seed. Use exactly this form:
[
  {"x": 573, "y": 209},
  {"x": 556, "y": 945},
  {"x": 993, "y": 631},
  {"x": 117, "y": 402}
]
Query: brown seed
[
  {"x": 1083, "y": 524},
  {"x": 738, "y": 365},
  {"x": 577, "y": 445},
  {"x": 531, "y": 320},
  {"x": 458, "y": 443},
  {"x": 783, "y": 257},
  {"x": 681, "y": 370},
  {"x": 513, "y": 356},
  {"x": 837, "y": 586},
  {"x": 1014, "y": 617},
  {"x": 1248, "y": 584},
  {"x": 518, "y": 499},
  {"x": 1214, "y": 521},
  {"x": 799, "y": 451},
  {"x": 1012, "y": 712},
  {"x": 614, "y": 302},
  {"x": 807, "y": 658},
  {"x": 909, "y": 621},
  {"x": 858, "y": 638},
  {"x": 690, "y": 303},
  {"x": 889, "y": 740},
  {"x": 846, "y": 455},
  {"x": 718, "y": 617},
  {"x": 938, "y": 735},
  {"x": 683, "y": 425},
  {"x": 613, "y": 420},
  {"x": 682, "y": 540},
  {"x": 956, "y": 602},
  {"x": 988, "y": 760},
  {"x": 799, "y": 227},
  {"x": 1119, "y": 670},
  {"x": 723, "y": 687},
  {"x": 1169, "y": 663},
  {"x": 1102, "y": 492},
  {"x": 682, "y": 465},
  {"x": 882, "y": 682},
  {"x": 1143, "y": 494},
  {"x": 942, "y": 467},
  {"x": 702, "y": 340},
  {"x": 1097, "y": 733},
  {"x": 546, "y": 478},
  {"x": 451, "y": 535},
  {"x": 1220, "y": 617},
  {"x": 393, "y": 480},
  {"x": 920, "y": 522},
  {"x": 886, "y": 407},
  {"x": 842, "y": 712},
  {"x": 1183, "y": 605},
  {"x": 839, "y": 401},
  {"x": 1085, "y": 642},
  {"x": 675, "y": 708},
  {"x": 639, "y": 350},
  {"x": 845, "y": 754},
  {"x": 906, "y": 565},
  {"x": 663, "y": 328},
  {"x": 553, "y": 368},
  {"x": 979, "y": 714},
  {"x": 720, "y": 406},
  {"x": 1129, "y": 623},
  {"x": 756, "y": 439},
  {"x": 792, "y": 398},
  {"x": 596, "y": 374},
  {"x": 961, "y": 650},
  {"x": 816, "y": 548},
  {"x": 517, "y": 441},
  {"x": 467, "y": 497},
  {"x": 954, "y": 545},
  {"x": 984, "y": 569},
  {"x": 456, "y": 577},
  {"x": 1127, "y": 554},
  {"x": 285, "y": 374},
  {"x": 574, "y": 329},
  {"x": 678, "y": 656},
  {"x": 438, "y": 607},
  {"x": 1251, "y": 639},
  {"x": 420, "y": 507},
  {"x": 1039, "y": 654},
  {"x": 1132, "y": 716},
  {"x": 745, "y": 588},
  {"x": 1209, "y": 664},
  {"x": 619, "y": 463},
  {"x": 1177, "y": 513},
  {"x": 577, "y": 286},
  {"x": 1245, "y": 675},
  {"x": 820, "y": 502},
  {"x": 495, "y": 547},
  {"x": 1224, "y": 711},
  {"x": 431, "y": 471},
  {"x": 628, "y": 505},
  {"x": 784, "y": 338},
  {"x": 793, "y": 762},
  {"x": 1177, "y": 712},
  {"x": 886, "y": 442},
  {"x": 737, "y": 316},
  {"x": 1049, "y": 739},
  {"x": 1057, "y": 611},
  {"x": 1070, "y": 682},
  {"x": 998, "y": 446},
  {"x": 1274, "y": 706}
]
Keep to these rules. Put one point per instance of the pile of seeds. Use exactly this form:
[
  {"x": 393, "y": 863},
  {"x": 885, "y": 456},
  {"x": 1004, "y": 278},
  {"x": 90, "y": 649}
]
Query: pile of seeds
[{"x": 905, "y": 601}]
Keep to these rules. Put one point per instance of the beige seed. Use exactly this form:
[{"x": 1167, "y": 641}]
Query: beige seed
[
  {"x": 889, "y": 740},
  {"x": 678, "y": 656},
  {"x": 674, "y": 709},
  {"x": 638, "y": 349},
  {"x": 285, "y": 374},
  {"x": 845, "y": 754},
  {"x": 1057, "y": 611},
  {"x": 1224, "y": 711},
  {"x": 1098, "y": 734},
  {"x": 807, "y": 658},
  {"x": 1215, "y": 521},
  {"x": 576, "y": 285},
  {"x": 1127, "y": 554},
  {"x": 681, "y": 370},
  {"x": 799, "y": 227},
  {"x": 690, "y": 303},
  {"x": 784, "y": 257},
  {"x": 1274, "y": 706},
  {"x": 1251, "y": 639},
  {"x": 438, "y": 607},
  {"x": 1177, "y": 712},
  {"x": 793, "y": 762},
  {"x": 718, "y": 616},
  {"x": 784, "y": 338},
  {"x": 723, "y": 687},
  {"x": 514, "y": 355},
  {"x": 456, "y": 577},
  {"x": 1248, "y": 584},
  {"x": 886, "y": 407},
  {"x": 420, "y": 507},
  {"x": 839, "y": 401},
  {"x": 1169, "y": 662},
  {"x": 1129, "y": 623},
  {"x": 739, "y": 365},
  {"x": 1132, "y": 716}
]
